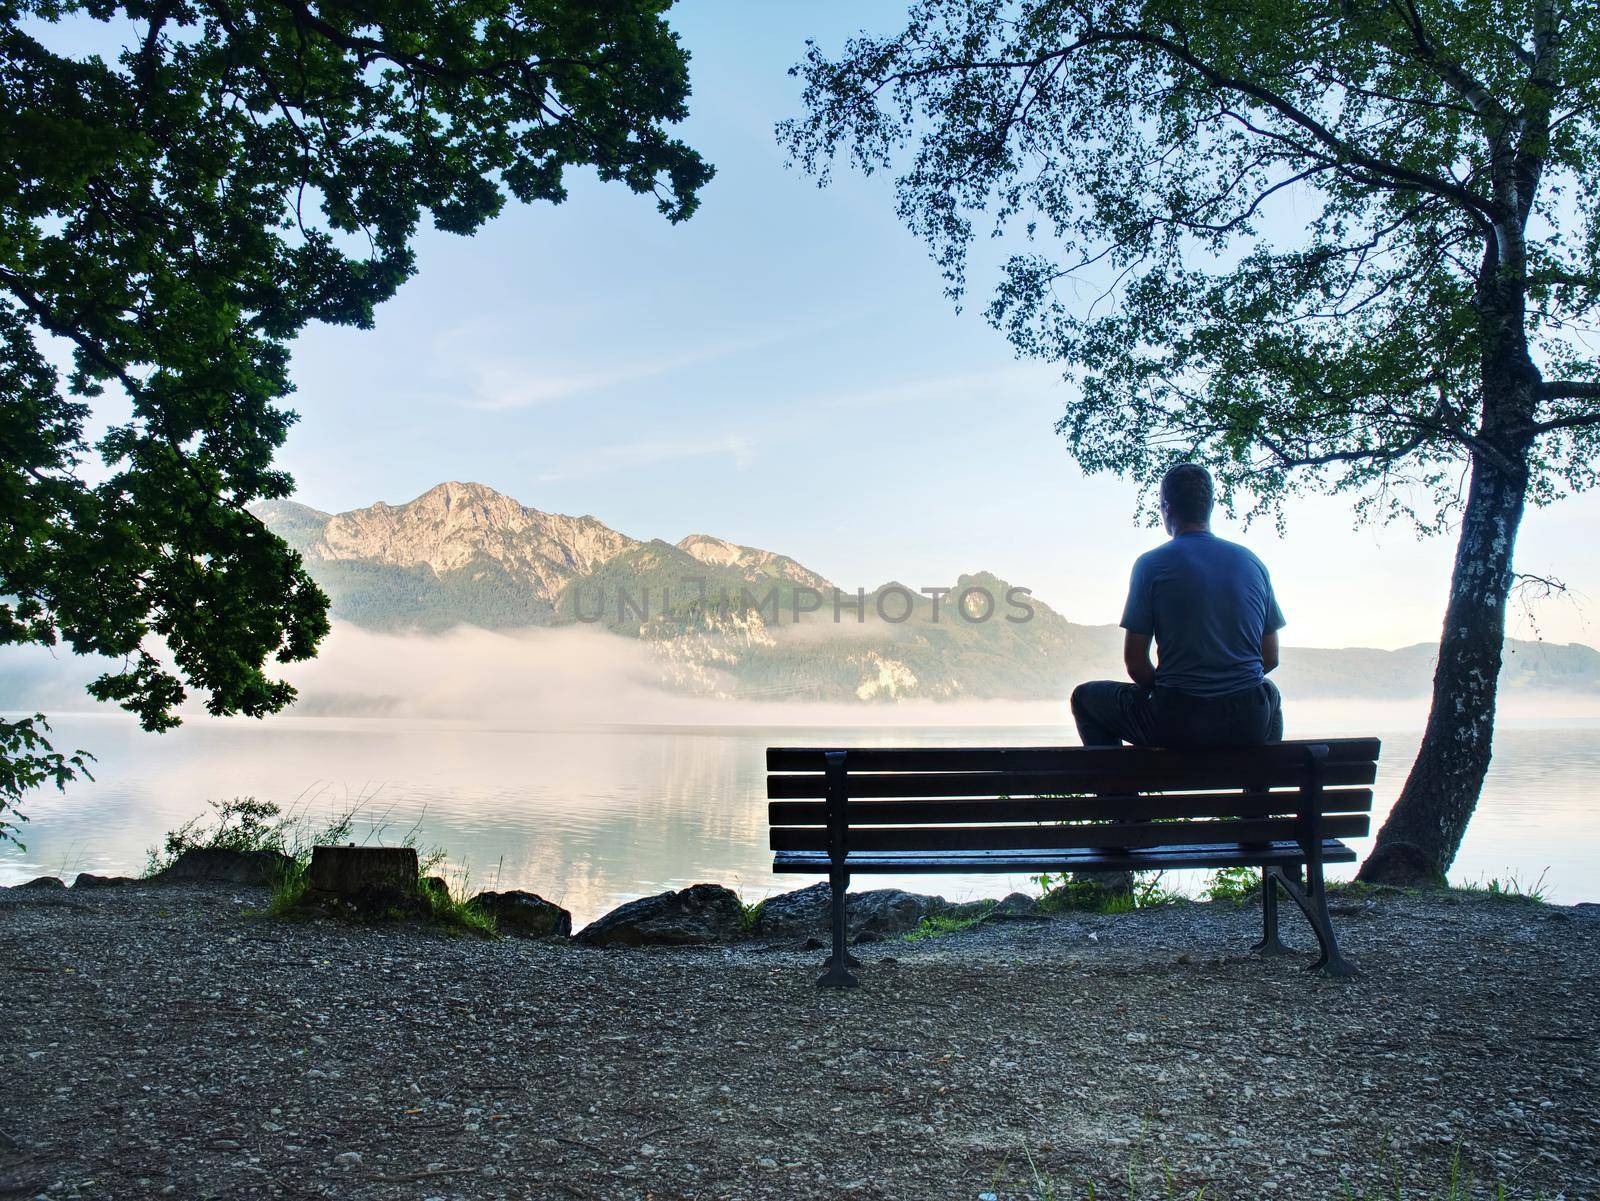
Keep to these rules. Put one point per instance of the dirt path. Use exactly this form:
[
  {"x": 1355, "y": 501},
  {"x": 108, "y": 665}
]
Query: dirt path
[{"x": 170, "y": 1042}]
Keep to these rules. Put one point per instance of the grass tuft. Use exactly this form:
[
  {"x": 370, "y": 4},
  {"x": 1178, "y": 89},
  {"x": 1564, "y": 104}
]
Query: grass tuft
[
  {"x": 451, "y": 908},
  {"x": 1063, "y": 892},
  {"x": 1234, "y": 884},
  {"x": 750, "y": 913},
  {"x": 936, "y": 925},
  {"x": 1511, "y": 888}
]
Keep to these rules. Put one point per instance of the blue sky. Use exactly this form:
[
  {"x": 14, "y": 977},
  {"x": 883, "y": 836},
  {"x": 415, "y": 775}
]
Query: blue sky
[{"x": 784, "y": 370}]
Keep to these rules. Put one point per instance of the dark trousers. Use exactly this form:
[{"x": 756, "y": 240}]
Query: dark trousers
[{"x": 1109, "y": 713}]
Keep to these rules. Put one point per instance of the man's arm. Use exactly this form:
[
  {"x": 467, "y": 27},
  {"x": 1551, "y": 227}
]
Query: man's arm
[
  {"x": 1269, "y": 650},
  {"x": 1136, "y": 657}
]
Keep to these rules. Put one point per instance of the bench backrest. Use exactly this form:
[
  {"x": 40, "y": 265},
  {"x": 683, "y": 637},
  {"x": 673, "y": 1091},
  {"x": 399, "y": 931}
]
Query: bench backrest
[{"x": 1023, "y": 798}]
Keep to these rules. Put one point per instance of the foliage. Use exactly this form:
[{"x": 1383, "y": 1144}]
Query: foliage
[
  {"x": 451, "y": 908},
  {"x": 1233, "y": 884},
  {"x": 1161, "y": 159},
  {"x": 1067, "y": 891},
  {"x": 936, "y": 925},
  {"x": 173, "y": 215},
  {"x": 1511, "y": 888},
  {"x": 750, "y": 913},
  {"x": 27, "y": 760},
  {"x": 246, "y": 824}
]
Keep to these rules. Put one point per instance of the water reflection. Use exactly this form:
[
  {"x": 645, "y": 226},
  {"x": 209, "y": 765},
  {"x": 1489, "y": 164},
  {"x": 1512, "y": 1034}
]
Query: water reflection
[{"x": 589, "y": 817}]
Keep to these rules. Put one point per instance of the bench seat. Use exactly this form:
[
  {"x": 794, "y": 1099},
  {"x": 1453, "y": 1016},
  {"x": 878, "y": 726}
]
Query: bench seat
[
  {"x": 917, "y": 810},
  {"x": 1078, "y": 859}
]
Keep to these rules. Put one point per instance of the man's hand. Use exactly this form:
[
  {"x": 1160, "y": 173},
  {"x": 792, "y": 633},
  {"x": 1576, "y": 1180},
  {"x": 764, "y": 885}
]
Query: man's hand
[
  {"x": 1136, "y": 657},
  {"x": 1269, "y": 650}
]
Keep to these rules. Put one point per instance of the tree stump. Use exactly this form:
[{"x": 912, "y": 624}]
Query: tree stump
[{"x": 370, "y": 881}]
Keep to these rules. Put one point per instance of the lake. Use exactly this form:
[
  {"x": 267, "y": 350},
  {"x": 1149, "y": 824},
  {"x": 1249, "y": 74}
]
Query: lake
[{"x": 591, "y": 816}]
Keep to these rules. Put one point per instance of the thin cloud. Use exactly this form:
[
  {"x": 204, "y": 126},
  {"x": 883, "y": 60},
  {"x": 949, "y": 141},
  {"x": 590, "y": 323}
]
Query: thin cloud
[
  {"x": 499, "y": 384},
  {"x": 624, "y": 456}
]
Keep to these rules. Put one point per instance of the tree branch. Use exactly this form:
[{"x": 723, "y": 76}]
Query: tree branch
[{"x": 1570, "y": 389}]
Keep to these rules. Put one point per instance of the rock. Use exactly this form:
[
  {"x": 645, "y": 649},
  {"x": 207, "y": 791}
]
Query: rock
[
  {"x": 85, "y": 880},
  {"x": 200, "y": 865},
  {"x": 525, "y": 914},
  {"x": 42, "y": 882},
  {"x": 1017, "y": 906},
  {"x": 810, "y": 910},
  {"x": 347, "y": 1159},
  {"x": 1110, "y": 884},
  {"x": 700, "y": 914}
]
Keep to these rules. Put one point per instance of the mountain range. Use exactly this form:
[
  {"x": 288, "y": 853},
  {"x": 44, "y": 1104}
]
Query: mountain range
[{"x": 725, "y": 619}]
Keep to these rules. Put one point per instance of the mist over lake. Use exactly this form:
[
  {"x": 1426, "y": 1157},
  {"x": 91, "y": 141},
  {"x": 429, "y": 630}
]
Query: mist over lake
[{"x": 589, "y": 814}]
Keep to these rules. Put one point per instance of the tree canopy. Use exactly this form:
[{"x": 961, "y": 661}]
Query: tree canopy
[
  {"x": 169, "y": 221},
  {"x": 1258, "y": 229}
]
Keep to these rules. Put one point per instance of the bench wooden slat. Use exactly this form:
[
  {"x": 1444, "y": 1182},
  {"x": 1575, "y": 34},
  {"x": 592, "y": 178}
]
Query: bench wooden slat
[
  {"x": 1175, "y": 857},
  {"x": 1068, "y": 759},
  {"x": 1169, "y": 777},
  {"x": 956, "y": 839},
  {"x": 1039, "y": 809}
]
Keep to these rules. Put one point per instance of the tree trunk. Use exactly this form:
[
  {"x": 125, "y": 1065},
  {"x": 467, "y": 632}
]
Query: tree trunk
[
  {"x": 1424, "y": 830},
  {"x": 353, "y": 872}
]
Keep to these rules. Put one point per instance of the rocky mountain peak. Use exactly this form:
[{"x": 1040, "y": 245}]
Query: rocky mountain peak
[
  {"x": 454, "y": 525},
  {"x": 750, "y": 561}
]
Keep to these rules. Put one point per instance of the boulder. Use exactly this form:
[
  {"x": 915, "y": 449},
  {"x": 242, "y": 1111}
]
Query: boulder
[
  {"x": 700, "y": 914},
  {"x": 85, "y": 880},
  {"x": 1016, "y": 907},
  {"x": 201, "y": 865},
  {"x": 525, "y": 914},
  {"x": 42, "y": 883},
  {"x": 1106, "y": 884},
  {"x": 810, "y": 911}
]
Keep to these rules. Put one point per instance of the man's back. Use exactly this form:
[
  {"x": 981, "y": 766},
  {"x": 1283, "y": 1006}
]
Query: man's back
[
  {"x": 1208, "y": 602},
  {"x": 1208, "y": 607}
]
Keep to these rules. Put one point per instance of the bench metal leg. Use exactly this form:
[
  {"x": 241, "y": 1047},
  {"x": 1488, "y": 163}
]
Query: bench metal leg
[
  {"x": 837, "y": 973},
  {"x": 1270, "y": 944},
  {"x": 1313, "y": 901}
]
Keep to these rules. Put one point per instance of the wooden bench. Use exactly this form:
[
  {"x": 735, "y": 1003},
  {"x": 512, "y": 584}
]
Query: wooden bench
[{"x": 914, "y": 810}]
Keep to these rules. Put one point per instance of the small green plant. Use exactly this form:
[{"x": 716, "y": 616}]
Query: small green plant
[
  {"x": 247, "y": 824},
  {"x": 448, "y": 904},
  {"x": 1233, "y": 884},
  {"x": 1511, "y": 888},
  {"x": 1061, "y": 892},
  {"x": 287, "y": 891},
  {"x": 935, "y": 925},
  {"x": 750, "y": 913}
]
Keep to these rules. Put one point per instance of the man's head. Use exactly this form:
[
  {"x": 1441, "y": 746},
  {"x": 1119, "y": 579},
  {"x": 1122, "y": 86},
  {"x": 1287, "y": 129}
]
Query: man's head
[{"x": 1187, "y": 496}]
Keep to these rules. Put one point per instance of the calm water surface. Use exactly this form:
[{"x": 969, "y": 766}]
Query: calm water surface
[{"x": 590, "y": 817}]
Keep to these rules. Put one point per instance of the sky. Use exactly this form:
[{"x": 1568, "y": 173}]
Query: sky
[{"x": 783, "y": 370}]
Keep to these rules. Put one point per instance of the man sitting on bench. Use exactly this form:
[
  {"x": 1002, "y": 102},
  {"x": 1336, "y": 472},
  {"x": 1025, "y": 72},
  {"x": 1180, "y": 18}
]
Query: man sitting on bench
[{"x": 1208, "y": 605}]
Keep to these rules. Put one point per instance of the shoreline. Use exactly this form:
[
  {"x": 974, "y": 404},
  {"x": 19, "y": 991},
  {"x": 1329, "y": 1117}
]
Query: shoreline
[{"x": 170, "y": 1040}]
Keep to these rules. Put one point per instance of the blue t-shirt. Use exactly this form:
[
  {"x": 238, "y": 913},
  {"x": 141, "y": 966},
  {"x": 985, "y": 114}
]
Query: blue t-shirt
[{"x": 1208, "y": 602}]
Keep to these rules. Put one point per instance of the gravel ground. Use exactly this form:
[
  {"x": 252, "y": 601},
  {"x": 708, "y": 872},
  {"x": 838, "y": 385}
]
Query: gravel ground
[{"x": 174, "y": 1041}]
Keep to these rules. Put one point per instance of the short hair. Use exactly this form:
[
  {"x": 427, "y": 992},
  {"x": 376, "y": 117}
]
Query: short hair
[{"x": 1189, "y": 495}]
